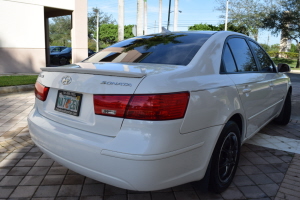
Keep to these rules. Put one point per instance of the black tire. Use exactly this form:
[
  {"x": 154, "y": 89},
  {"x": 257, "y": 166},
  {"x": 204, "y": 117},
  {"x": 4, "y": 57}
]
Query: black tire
[
  {"x": 285, "y": 113},
  {"x": 63, "y": 61},
  {"x": 225, "y": 158}
]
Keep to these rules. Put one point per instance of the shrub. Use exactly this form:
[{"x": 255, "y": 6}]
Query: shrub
[{"x": 277, "y": 54}]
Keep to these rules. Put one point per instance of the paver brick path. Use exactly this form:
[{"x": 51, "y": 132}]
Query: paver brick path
[{"x": 27, "y": 173}]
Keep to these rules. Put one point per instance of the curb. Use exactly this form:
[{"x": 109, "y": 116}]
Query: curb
[
  {"x": 17, "y": 88},
  {"x": 295, "y": 71}
]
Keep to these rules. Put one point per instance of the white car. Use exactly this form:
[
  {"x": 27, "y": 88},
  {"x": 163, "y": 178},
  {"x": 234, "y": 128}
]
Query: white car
[{"x": 160, "y": 110}]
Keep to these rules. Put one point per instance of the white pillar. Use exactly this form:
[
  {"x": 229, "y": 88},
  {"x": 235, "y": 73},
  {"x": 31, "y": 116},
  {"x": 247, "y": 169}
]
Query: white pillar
[
  {"x": 121, "y": 21},
  {"x": 145, "y": 17},
  {"x": 175, "y": 15},
  {"x": 79, "y": 31},
  {"x": 97, "y": 36},
  {"x": 226, "y": 17},
  {"x": 159, "y": 16},
  {"x": 139, "y": 24}
]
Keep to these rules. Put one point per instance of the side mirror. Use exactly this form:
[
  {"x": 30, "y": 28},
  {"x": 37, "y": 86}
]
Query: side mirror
[{"x": 282, "y": 67}]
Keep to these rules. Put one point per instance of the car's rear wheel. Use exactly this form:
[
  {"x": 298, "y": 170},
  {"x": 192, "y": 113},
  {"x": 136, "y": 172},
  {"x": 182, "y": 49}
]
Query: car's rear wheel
[
  {"x": 285, "y": 113},
  {"x": 225, "y": 158}
]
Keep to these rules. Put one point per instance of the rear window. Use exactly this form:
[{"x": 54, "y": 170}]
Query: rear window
[{"x": 171, "y": 48}]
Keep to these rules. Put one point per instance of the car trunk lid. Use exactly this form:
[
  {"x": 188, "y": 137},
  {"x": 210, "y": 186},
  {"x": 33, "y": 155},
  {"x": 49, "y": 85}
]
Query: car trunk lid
[{"x": 84, "y": 83}]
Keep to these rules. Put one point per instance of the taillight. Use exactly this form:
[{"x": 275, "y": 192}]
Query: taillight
[
  {"x": 158, "y": 106},
  {"x": 111, "y": 105},
  {"x": 41, "y": 92},
  {"x": 143, "y": 107}
]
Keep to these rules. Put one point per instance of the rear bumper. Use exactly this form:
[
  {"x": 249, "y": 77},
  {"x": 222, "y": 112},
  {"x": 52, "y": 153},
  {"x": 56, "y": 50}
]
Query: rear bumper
[{"x": 94, "y": 156}]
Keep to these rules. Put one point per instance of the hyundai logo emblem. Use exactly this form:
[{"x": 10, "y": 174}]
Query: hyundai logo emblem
[{"x": 66, "y": 80}]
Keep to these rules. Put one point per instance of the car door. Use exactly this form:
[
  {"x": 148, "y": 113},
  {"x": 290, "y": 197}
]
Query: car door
[
  {"x": 278, "y": 83},
  {"x": 253, "y": 87}
]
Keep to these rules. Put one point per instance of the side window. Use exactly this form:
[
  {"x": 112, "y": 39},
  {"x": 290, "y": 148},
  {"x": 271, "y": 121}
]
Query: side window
[
  {"x": 264, "y": 60},
  {"x": 243, "y": 57},
  {"x": 228, "y": 60}
]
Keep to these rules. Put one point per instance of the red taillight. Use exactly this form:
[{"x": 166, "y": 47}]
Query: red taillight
[
  {"x": 41, "y": 92},
  {"x": 158, "y": 107},
  {"x": 143, "y": 107},
  {"x": 111, "y": 105}
]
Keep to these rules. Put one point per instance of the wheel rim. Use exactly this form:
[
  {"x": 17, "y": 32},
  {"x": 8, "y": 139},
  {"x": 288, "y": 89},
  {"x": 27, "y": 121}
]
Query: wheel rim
[
  {"x": 63, "y": 61},
  {"x": 228, "y": 157}
]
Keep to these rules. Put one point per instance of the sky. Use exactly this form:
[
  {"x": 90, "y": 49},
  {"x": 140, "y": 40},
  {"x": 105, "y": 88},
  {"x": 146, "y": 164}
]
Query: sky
[{"x": 192, "y": 12}]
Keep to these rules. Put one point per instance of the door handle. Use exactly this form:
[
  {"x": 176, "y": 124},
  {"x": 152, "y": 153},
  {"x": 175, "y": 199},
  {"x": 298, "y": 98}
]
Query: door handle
[{"x": 246, "y": 90}]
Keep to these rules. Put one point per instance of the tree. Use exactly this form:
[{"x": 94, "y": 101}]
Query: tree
[
  {"x": 103, "y": 19},
  {"x": 220, "y": 27},
  {"x": 204, "y": 27},
  {"x": 294, "y": 48},
  {"x": 275, "y": 47},
  {"x": 236, "y": 28},
  {"x": 247, "y": 13},
  {"x": 60, "y": 31},
  {"x": 108, "y": 33},
  {"x": 266, "y": 47},
  {"x": 285, "y": 18},
  {"x": 128, "y": 31},
  {"x": 60, "y": 28},
  {"x": 92, "y": 25}
]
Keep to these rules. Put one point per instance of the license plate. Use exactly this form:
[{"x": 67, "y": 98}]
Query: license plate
[{"x": 68, "y": 102}]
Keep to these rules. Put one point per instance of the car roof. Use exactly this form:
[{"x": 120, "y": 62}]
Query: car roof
[
  {"x": 220, "y": 33},
  {"x": 209, "y": 32},
  {"x": 180, "y": 32},
  {"x": 196, "y": 31}
]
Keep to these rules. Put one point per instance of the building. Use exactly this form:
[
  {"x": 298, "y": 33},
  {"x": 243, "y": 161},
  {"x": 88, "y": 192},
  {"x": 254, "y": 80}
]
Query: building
[{"x": 24, "y": 35}]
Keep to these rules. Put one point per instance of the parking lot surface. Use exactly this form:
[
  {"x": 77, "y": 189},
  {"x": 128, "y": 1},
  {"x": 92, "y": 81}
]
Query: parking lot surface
[{"x": 269, "y": 166}]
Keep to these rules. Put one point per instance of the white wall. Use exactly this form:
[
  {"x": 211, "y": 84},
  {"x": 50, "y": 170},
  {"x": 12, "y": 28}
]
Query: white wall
[
  {"x": 21, "y": 25},
  {"x": 22, "y": 33},
  {"x": 79, "y": 31}
]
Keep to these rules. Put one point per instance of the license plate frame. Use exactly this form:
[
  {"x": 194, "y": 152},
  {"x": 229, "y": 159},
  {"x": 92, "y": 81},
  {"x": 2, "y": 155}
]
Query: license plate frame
[{"x": 67, "y": 98}]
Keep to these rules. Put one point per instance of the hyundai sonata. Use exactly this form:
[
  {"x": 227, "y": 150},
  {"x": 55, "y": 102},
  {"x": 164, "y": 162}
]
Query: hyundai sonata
[{"x": 160, "y": 110}]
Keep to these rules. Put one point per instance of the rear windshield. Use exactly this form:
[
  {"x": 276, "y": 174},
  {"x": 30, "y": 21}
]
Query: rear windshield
[{"x": 172, "y": 48}]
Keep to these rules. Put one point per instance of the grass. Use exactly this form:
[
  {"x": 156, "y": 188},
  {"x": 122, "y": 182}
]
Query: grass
[
  {"x": 291, "y": 62},
  {"x": 17, "y": 80}
]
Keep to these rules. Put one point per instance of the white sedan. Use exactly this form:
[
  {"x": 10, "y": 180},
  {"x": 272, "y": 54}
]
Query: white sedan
[{"x": 160, "y": 110}]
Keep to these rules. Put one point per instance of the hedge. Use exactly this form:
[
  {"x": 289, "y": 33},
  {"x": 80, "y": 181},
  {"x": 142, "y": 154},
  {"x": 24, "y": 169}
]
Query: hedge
[{"x": 283, "y": 54}]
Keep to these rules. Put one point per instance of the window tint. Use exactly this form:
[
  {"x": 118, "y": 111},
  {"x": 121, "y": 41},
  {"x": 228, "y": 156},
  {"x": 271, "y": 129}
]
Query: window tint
[
  {"x": 241, "y": 52},
  {"x": 264, "y": 60},
  {"x": 228, "y": 60},
  {"x": 173, "y": 48}
]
